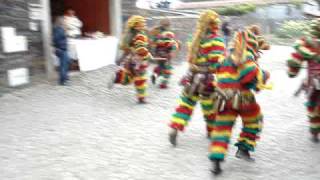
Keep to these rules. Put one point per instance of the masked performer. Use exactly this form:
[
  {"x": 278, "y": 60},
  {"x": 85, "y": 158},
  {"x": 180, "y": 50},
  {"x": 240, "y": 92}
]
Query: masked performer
[
  {"x": 205, "y": 53},
  {"x": 308, "y": 49},
  {"x": 165, "y": 46},
  {"x": 238, "y": 77},
  {"x": 135, "y": 57}
]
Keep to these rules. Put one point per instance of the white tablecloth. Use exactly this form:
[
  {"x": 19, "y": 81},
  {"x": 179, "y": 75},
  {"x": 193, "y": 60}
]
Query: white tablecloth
[{"x": 93, "y": 54}]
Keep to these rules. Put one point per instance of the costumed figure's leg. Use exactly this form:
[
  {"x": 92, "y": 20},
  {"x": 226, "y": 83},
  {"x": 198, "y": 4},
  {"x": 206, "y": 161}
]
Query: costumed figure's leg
[
  {"x": 250, "y": 113},
  {"x": 220, "y": 136},
  {"x": 165, "y": 74},
  {"x": 182, "y": 115},
  {"x": 140, "y": 82},
  {"x": 314, "y": 115},
  {"x": 156, "y": 73},
  {"x": 123, "y": 77},
  {"x": 209, "y": 112}
]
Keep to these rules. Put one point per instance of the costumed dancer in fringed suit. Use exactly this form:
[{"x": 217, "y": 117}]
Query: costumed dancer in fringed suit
[
  {"x": 165, "y": 46},
  {"x": 307, "y": 49},
  {"x": 238, "y": 77},
  {"x": 205, "y": 53},
  {"x": 135, "y": 57}
]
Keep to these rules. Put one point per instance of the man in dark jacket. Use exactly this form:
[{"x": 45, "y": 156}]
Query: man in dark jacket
[{"x": 60, "y": 44}]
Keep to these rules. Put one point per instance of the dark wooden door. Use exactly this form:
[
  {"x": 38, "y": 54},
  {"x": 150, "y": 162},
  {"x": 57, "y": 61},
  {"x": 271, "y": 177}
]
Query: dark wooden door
[{"x": 93, "y": 13}]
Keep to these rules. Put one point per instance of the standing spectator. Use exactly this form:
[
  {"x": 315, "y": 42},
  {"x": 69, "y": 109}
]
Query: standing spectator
[
  {"x": 226, "y": 33},
  {"x": 60, "y": 44},
  {"x": 72, "y": 23}
]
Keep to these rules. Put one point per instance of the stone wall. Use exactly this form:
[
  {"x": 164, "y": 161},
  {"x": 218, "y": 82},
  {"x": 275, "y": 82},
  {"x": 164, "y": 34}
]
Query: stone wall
[{"x": 15, "y": 13}]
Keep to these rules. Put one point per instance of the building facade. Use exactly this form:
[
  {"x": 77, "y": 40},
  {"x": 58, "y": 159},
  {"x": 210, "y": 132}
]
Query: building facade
[{"x": 25, "y": 33}]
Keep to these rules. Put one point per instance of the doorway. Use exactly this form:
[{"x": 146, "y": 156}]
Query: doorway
[{"x": 93, "y": 13}]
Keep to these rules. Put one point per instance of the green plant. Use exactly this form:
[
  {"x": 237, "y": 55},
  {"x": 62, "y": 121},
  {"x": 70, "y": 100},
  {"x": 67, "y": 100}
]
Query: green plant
[
  {"x": 293, "y": 29},
  {"x": 236, "y": 10},
  {"x": 297, "y": 3}
]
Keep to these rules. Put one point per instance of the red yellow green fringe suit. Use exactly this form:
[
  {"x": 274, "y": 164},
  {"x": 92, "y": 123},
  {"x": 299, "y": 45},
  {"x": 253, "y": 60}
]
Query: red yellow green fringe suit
[
  {"x": 307, "y": 50},
  {"x": 165, "y": 45},
  {"x": 134, "y": 69},
  {"x": 238, "y": 81},
  {"x": 202, "y": 69}
]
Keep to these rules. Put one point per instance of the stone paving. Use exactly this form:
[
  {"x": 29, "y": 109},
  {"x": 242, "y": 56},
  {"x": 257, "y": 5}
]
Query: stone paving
[{"x": 88, "y": 132}]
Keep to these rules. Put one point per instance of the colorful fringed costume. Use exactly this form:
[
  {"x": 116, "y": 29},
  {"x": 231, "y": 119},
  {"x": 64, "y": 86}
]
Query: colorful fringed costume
[
  {"x": 238, "y": 77},
  {"x": 307, "y": 50},
  {"x": 165, "y": 44},
  {"x": 206, "y": 52},
  {"x": 136, "y": 57}
]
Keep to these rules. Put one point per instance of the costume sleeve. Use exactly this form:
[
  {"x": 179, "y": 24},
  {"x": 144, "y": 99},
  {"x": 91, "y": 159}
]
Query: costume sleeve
[
  {"x": 262, "y": 78},
  {"x": 214, "y": 51},
  {"x": 248, "y": 72},
  {"x": 252, "y": 76},
  {"x": 302, "y": 53},
  {"x": 140, "y": 46}
]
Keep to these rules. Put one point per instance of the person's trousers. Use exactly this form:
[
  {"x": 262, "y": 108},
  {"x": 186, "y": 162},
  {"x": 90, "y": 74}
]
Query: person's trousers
[
  {"x": 163, "y": 70},
  {"x": 251, "y": 116},
  {"x": 226, "y": 41},
  {"x": 64, "y": 65},
  {"x": 125, "y": 77},
  {"x": 182, "y": 116}
]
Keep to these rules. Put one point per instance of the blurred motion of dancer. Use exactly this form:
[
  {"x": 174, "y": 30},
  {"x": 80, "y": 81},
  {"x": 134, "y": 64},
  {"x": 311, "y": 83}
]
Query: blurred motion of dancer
[
  {"x": 205, "y": 53},
  {"x": 239, "y": 76},
  {"x": 307, "y": 49},
  {"x": 165, "y": 46},
  {"x": 135, "y": 57}
]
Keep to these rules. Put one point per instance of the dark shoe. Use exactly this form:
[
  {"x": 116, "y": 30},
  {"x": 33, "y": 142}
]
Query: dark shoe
[
  {"x": 142, "y": 101},
  {"x": 216, "y": 167},
  {"x": 244, "y": 154},
  {"x": 315, "y": 138},
  {"x": 64, "y": 83},
  {"x": 173, "y": 136},
  {"x": 153, "y": 79}
]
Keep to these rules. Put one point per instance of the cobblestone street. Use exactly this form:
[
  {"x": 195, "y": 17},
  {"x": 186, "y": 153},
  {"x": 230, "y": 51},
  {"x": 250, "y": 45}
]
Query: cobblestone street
[{"x": 88, "y": 132}]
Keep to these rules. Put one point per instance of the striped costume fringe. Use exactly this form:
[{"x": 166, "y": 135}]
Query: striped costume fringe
[
  {"x": 306, "y": 51},
  {"x": 211, "y": 53},
  {"x": 221, "y": 134},
  {"x": 303, "y": 52},
  {"x": 124, "y": 77},
  {"x": 313, "y": 108}
]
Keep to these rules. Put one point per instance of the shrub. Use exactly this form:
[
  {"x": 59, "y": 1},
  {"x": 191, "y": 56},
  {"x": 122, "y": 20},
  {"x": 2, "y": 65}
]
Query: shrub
[
  {"x": 236, "y": 10},
  {"x": 297, "y": 3},
  {"x": 293, "y": 29}
]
